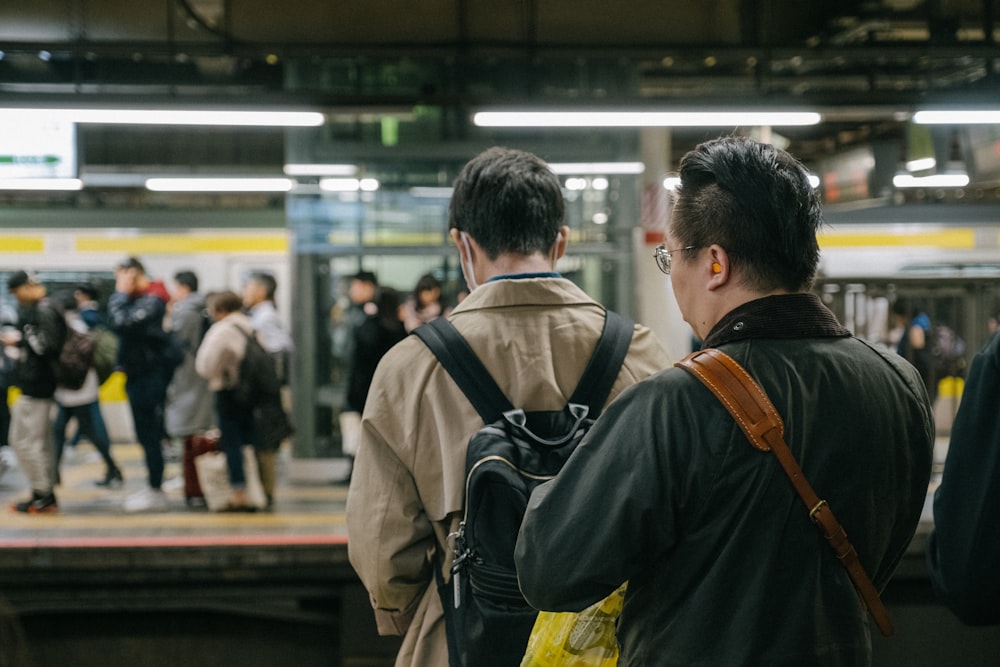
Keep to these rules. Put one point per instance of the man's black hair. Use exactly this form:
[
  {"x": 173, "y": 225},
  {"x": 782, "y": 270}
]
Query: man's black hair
[
  {"x": 87, "y": 290},
  {"x": 755, "y": 201},
  {"x": 366, "y": 277},
  {"x": 131, "y": 263},
  {"x": 20, "y": 279},
  {"x": 188, "y": 279},
  {"x": 509, "y": 201},
  {"x": 267, "y": 280}
]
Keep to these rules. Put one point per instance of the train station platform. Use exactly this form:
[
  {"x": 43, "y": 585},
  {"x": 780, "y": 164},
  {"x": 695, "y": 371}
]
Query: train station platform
[{"x": 93, "y": 585}]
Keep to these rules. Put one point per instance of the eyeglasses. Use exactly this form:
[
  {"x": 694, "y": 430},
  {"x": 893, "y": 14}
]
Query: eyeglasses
[{"x": 662, "y": 256}]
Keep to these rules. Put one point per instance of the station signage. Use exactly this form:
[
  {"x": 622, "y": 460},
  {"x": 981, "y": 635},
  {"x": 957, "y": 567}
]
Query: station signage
[{"x": 38, "y": 148}]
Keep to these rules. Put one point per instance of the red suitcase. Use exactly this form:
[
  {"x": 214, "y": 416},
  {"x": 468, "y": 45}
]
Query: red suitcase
[{"x": 196, "y": 445}]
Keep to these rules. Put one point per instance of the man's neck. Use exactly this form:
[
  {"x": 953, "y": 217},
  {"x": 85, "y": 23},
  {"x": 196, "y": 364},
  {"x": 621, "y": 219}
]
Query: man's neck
[{"x": 511, "y": 265}]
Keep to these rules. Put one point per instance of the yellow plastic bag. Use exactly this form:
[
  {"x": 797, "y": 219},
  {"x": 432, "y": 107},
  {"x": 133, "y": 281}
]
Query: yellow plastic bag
[{"x": 584, "y": 639}]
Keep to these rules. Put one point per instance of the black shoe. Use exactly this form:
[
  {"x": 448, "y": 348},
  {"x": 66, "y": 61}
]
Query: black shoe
[
  {"x": 113, "y": 480},
  {"x": 39, "y": 504}
]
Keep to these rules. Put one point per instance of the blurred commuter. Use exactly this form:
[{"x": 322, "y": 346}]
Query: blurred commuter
[
  {"x": 81, "y": 403},
  {"x": 135, "y": 312},
  {"x": 85, "y": 296},
  {"x": 218, "y": 361},
  {"x": 362, "y": 359},
  {"x": 189, "y": 400},
  {"x": 362, "y": 293},
  {"x": 258, "y": 299},
  {"x": 914, "y": 343},
  {"x": 963, "y": 552},
  {"x": 424, "y": 304},
  {"x": 37, "y": 342},
  {"x": 7, "y": 458},
  {"x": 533, "y": 329},
  {"x": 723, "y": 564},
  {"x": 381, "y": 328}
]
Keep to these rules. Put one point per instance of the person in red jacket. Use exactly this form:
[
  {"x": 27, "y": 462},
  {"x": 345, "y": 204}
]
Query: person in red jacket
[{"x": 148, "y": 355}]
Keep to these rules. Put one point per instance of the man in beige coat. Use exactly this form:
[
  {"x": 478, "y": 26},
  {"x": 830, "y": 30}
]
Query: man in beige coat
[{"x": 534, "y": 331}]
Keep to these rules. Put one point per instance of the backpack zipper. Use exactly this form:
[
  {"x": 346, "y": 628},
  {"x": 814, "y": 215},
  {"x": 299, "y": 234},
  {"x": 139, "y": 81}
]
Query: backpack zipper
[{"x": 462, "y": 552}]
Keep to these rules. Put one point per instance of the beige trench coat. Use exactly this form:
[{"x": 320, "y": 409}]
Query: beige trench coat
[{"x": 535, "y": 336}]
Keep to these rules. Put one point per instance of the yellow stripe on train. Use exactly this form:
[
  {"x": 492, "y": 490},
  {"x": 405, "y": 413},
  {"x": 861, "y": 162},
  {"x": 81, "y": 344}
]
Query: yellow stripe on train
[
  {"x": 182, "y": 244},
  {"x": 947, "y": 238}
]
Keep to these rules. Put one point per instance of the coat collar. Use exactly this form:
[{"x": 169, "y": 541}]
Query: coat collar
[
  {"x": 544, "y": 291},
  {"x": 784, "y": 316}
]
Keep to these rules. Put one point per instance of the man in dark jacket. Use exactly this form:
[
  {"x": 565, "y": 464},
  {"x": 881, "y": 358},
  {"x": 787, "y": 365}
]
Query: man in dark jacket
[
  {"x": 41, "y": 333},
  {"x": 723, "y": 564},
  {"x": 148, "y": 356},
  {"x": 963, "y": 553}
]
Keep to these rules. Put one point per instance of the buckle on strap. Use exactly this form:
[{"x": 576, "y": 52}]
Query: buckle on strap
[{"x": 816, "y": 508}]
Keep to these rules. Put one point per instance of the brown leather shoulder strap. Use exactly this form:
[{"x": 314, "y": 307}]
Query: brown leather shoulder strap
[{"x": 753, "y": 411}]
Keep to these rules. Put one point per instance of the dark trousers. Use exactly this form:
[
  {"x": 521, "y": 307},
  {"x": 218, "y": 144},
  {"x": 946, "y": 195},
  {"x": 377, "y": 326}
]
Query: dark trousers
[
  {"x": 236, "y": 426},
  {"x": 4, "y": 417},
  {"x": 90, "y": 422},
  {"x": 147, "y": 393}
]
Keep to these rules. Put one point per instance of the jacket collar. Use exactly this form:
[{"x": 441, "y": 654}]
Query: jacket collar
[
  {"x": 800, "y": 315},
  {"x": 545, "y": 291}
]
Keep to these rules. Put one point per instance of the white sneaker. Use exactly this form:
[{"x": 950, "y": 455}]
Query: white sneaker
[
  {"x": 172, "y": 484},
  {"x": 8, "y": 458},
  {"x": 147, "y": 500}
]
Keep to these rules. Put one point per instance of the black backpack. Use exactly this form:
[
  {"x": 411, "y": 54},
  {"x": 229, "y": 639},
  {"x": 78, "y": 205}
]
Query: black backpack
[
  {"x": 488, "y": 621},
  {"x": 76, "y": 356},
  {"x": 257, "y": 381}
]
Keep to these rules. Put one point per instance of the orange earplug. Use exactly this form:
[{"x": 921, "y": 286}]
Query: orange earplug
[{"x": 716, "y": 267}]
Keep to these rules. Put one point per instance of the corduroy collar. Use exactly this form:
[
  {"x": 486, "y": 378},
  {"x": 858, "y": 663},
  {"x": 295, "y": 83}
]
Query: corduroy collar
[{"x": 800, "y": 315}]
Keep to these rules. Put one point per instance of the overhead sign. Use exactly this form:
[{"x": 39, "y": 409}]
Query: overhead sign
[{"x": 41, "y": 148}]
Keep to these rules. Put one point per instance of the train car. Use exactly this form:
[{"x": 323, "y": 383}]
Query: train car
[
  {"x": 943, "y": 259},
  {"x": 946, "y": 257}
]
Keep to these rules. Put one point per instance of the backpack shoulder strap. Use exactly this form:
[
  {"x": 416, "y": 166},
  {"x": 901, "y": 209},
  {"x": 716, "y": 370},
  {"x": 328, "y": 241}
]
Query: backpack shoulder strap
[
  {"x": 465, "y": 368},
  {"x": 604, "y": 365}
]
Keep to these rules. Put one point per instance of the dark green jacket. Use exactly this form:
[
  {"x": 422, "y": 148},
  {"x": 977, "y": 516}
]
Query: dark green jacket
[
  {"x": 724, "y": 566},
  {"x": 963, "y": 554}
]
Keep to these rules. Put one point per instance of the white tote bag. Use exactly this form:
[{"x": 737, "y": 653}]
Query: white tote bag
[{"x": 213, "y": 476}]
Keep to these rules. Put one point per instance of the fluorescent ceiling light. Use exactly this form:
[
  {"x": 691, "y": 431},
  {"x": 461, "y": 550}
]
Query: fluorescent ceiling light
[
  {"x": 936, "y": 181},
  {"x": 41, "y": 184},
  {"x": 958, "y": 117},
  {"x": 169, "y": 117},
  {"x": 642, "y": 118},
  {"x": 562, "y": 168},
  {"x": 348, "y": 184},
  {"x": 321, "y": 169},
  {"x": 220, "y": 184}
]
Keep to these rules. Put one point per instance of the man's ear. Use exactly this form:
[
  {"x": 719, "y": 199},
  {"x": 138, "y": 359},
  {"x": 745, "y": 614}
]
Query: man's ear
[
  {"x": 456, "y": 238},
  {"x": 718, "y": 266},
  {"x": 562, "y": 239}
]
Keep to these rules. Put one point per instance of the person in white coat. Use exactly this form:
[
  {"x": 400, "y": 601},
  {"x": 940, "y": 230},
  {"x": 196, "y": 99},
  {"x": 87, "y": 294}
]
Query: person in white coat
[{"x": 218, "y": 361}]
